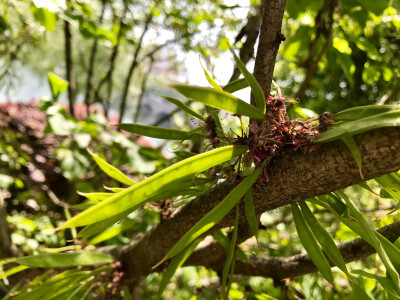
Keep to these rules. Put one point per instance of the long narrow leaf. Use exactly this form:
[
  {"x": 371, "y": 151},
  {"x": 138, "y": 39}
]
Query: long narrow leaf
[
  {"x": 159, "y": 132},
  {"x": 175, "y": 264},
  {"x": 355, "y": 152},
  {"x": 387, "y": 119},
  {"x": 216, "y": 214},
  {"x": 392, "y": 250},
  {"x": 384, "y": 281},
  {"x": 310, "y": 243},
  {"x": 370, "y": 231},
  {"x": 63, "y": 260},
  {"x": 251, "y": 213},
  {"x": 236, "y": 85},
  {"x": 360, "y": 112},
  {"x": 323, "y": 238},
  {"x": 182, "y": 106},
  {"x": 254, "y": 85},
  {"x": 209, "y": 78},
  {"x": 391, "y": 183},
  {"x": 220, "y": 100},
  {"x": 224, "y": 241},
  {"x": 139, "y": 193},
  {"x": 13, "y": 271},
  {"x": 231, "y": 251},
  {"x": 110, "y": 170}
]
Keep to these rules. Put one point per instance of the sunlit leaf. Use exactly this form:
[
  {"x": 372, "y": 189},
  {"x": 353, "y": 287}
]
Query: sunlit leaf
[
  {"x": 209, "y": 78},
  {"x": 254, "y": 85},
  {"x": 111, "y": 171},
  {"x": 139, "y": 193},
  {"x": 57, "y": 85},
  {"x": 310, "y": 243},
  {"x": 13, "y": 271},
  {"x": 236, "y": 85},
  {"x": 220, "y": 100},
  {"x": 64, "y": 260},
  {"x": 216, "y": 214}
]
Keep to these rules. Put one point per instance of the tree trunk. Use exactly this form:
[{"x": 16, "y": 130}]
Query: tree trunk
[{"x": 69, "y": 67}]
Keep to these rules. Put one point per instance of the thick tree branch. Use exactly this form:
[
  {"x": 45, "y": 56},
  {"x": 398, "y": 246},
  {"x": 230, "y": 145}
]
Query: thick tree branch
[{"x": 293, "y": 178}]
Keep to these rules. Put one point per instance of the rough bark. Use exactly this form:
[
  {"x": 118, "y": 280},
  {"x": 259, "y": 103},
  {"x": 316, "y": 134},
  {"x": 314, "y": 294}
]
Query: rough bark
[
  {"x": 293, "y": 178},
  {"x": 269, "y": 41}
]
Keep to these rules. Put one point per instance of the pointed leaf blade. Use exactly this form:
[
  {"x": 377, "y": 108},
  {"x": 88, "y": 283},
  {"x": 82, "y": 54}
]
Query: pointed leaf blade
[
  {"x": 158, "y": 132},
  {"x": 216, "y": 214},
  {"x": 139, "y": 193},
  {"x": 111, "y": 171},
  {"x": 255, "y": 86},
  {"x": 220, "y": 100},
  {"x": 236, "y": 85}
]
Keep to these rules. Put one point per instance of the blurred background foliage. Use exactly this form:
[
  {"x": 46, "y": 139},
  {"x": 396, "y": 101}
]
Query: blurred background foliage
[{"x": 337, "y": 54}]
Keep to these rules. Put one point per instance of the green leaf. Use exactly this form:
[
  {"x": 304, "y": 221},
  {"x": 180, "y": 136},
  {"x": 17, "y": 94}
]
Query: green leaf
[
  {"x": 57, "y": 85},
  {"x": 97, "y": 197},
  {"x": 236, "y": 85},
  {"x": 255, "y": 86},
  {"x": 355, "y": 152},
  {"x": 323, "y": 238},
  {"x": 209, "y": 78},
  {"x": 13, "y": 271},
  {"x": 310, "y": 243},
  {"x": 175, "y": 264},
  {"x": 384, "y": 281},
  {"x": 139, "y": 193},
  {"x": 111, "y": 232},
  {"x": 360, "y": 112},
  {"x": 376, "y": 243},
  {"x": 367, "y": 47},
  {"x": 182, "y": 106},
  {"x": 376, "y": 7},
  {"x": 371, "y": 74},
  {"x": 220, "y": 100},
  {"x": 111, "y": 171},
  {"x": 45, "y": 17},
  {"x": 64, "y": 260},
  {"x": 216, "y": 214},
  {"x": 231, "y": 251},
  {"x": 159, "y": 132},
  {"x": 387, "y": 119},
  {"x": 251, "y": 213},
  {"x": 391, "y": 183},
  {"x": 392, "y": 250}
]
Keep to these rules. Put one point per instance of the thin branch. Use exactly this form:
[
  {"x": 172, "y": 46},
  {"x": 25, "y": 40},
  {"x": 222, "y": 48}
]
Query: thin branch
[
  {"x": 142, "y": 91},
  {"x": 131, "y": 69},
  {"x": 93, "y": 53}
]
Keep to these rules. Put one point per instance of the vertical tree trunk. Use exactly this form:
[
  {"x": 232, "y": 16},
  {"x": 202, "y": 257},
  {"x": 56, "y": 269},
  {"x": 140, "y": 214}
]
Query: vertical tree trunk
[{"x": 69, "y": 67}]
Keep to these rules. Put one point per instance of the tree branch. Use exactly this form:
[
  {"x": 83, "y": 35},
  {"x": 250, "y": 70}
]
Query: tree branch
[
  {"x": 268, "y": 45},
  {"x": 285, "y": 267},
  {"x": 293, "y": 178}
]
